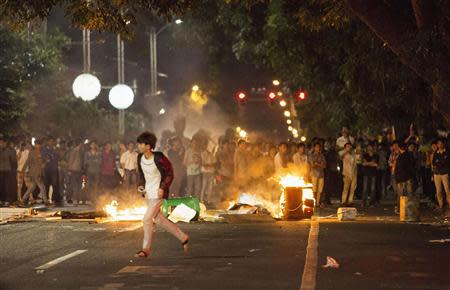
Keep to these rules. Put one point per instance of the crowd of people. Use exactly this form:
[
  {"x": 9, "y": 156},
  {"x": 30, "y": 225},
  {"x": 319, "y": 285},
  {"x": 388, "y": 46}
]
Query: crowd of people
[{"x": 77, "y": 172}]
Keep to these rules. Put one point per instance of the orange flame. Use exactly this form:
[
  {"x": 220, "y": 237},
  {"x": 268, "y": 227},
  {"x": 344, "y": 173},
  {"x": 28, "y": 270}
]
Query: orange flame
[{"x": 127, "y": 214}]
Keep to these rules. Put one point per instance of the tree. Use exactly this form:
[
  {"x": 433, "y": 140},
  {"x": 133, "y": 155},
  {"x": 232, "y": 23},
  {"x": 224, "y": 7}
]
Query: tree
[
  {"x": 24, "y": 61},
  {"x": 419, "y": 34}
]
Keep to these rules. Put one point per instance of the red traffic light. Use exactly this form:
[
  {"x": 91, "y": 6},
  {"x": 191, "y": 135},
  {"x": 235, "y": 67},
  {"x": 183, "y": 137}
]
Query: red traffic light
[
  {"x": 241, "y": 95},
  {"x": 272, "y": 95},
  {"x": 301, "y": 95}
]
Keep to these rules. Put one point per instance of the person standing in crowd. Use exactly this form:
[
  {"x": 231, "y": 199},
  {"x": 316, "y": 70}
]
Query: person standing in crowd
[
  {"x": 193, "y": 163},
  {"x": 51, "y": 173},
  {"x": 404, "y": 174},
  {"x": 241, "y": 164},
  {"x": 395, "y": 151},
  {"x": 281, "y": 158},
  {"x": 208, "y": 170},
  {"x": 441, "y": 170},
  {"x": 301, "y": 161},
  {"x": 74, "y": 170},
  {"x": 92, "y": 164},
  {"x": 318, "y": 165},
  {"x": 23, "y": 178},
  {"x": 176, "y": 156},
  {"x": 370, "y": 165},
  {"x": 344, "y": 139},
  {"x": 63, "y": 182},
  {"x": 128, "y": 162},
  {"x": 429, "y": 187},
  {"x": 8, "y": 164},
  {"x": 155, "y": 178},
  {"x": 332, "y": 180},
  {"x": 224, "y": 157},
  {"x": 36, "y": 165},
  {"x": 108, "y": 179},
  {"x": 383, "y": 172},
  {"x": 349, "y": 173}
]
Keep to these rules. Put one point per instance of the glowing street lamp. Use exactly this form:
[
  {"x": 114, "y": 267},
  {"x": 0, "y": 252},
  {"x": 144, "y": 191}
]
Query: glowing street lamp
[
  {"x": 289, "y": 121},
  {"x": 283, "y": 103},
  {"x": 243, "y": 134},
  {"x": 178, "y": 21},
  {"x": 195, "y": 88},
  {"x": 86, "y": 86},
  {"x": 162, "y": 111},
  {"x": 295, "y": 131},
  {"x": 121, "y": 96},
  {"x": 287, "y": 114},
  {"x": 303, "y": 139},
  {"x": 276, "y": 82},
  {"x": 290, "y": 128}
]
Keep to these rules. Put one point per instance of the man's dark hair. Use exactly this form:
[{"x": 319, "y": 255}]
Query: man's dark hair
[
  {"x": 348, "y": 143},
  {"x": 147, "y": 138},
  {"x": 241, "y": 141},
  {"x": 442, "y": 139},
  {"x": 283, "y": 143},
  {"x": 301, "y": 144},
  {"x": 37, "y": 142},
  {"x": 402, "y": 145},
  {"x": 317, "y": 143}
]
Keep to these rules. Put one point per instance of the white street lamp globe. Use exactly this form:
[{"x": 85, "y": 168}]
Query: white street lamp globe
[
  {"x": 86, "y": 86},
  {"x": 121, "y": 96}
]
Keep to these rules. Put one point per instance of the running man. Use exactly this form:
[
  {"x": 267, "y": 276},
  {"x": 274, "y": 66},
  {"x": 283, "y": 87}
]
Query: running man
[{"x": 155, "y": 177}]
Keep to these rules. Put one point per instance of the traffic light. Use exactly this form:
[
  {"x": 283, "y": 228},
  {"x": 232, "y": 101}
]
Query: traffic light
[
  {"x": 271, "y": 97},
  {"x": 241, "y": 98},
  {"x": 301, "y": 95}
]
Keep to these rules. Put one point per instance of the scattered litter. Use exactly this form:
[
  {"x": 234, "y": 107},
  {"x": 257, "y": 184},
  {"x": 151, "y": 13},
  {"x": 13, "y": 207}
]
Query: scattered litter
[
  {"x": 131, "y": 261},
  {"x": 230, "y": 264},
  {"x": 40, "y": 272},
  {"x": 358, "y": 274},
  {"x": 254, "y": 250},
  {"x": 182, "y": 213},
  {"x": 440, "y": 241},
  {"x": 331, "y": 263},
  {"x": 347, "y": 213}
]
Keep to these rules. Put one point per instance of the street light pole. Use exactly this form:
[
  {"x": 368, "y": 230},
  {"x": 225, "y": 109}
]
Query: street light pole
[
  {"x": 153, "y": 62},
  {"x": 121, "y": 79}
]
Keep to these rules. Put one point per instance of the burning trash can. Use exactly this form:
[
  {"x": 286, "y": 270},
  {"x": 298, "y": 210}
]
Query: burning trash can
[
  {"x": 297, "y": 198},
  {"x": 297, "y": 202}
]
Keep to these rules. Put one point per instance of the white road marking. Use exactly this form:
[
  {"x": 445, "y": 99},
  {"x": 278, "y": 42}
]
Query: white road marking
[
  {"x": 310, "y": 268},
  {"x": 59, "y": 260}
]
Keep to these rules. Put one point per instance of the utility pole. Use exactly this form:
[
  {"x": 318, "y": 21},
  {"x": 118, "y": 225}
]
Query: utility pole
[
  {"x": 153, "y": 63},
  {"x": 121, "y": 79}
]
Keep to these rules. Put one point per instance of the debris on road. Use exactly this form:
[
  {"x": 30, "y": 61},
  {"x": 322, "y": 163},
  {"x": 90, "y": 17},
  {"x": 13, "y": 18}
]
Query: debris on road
[
  {"x": 182, "y": 213},
  {"x": 331, "y": 263},
  {"x": 347, "y": 213},
  {"x": 440, "y": 241},
  {"x": 254, "y": 250}
]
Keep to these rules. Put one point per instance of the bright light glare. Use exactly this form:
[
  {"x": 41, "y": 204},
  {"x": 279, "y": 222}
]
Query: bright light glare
[
  {"x": 121, "y": 96},
  {"x": 86, "y": 141},
  {"x": 288, "y": 121},
  {"x": 195, "y": 88},
  {"x": 162, "y": 111},
  {"x": 287, "y": 114},
  {"x": 303, "y": 139},
  {"x": 178, "y": 21},
  {"x": 238, "y": 129},
  {"x": 86, "y": 86},
  {"x": 283, "y": 103},
  {"x": 243, "y": 134},
  {"x": 295, "y": 131},
  {"x": 276, "y": 82},
  {"x": 290, "y": 128},
  {"x": 33, "y": 141}
]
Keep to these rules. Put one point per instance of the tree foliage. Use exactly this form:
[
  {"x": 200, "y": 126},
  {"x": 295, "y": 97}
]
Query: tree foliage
[{"x": 24, "y": 61}]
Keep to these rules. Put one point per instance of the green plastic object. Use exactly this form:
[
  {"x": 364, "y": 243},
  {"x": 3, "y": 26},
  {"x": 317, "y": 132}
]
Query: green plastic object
[{"x": 192, "y": 202}]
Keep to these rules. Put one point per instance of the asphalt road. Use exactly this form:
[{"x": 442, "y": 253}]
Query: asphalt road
[{"x": 372, "y": 255}]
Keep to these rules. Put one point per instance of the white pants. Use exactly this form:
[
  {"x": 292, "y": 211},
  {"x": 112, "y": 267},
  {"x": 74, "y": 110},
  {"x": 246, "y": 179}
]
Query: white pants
[
  {"x": 440, "y": 180},
  {"x": 317, "y": 187},
  {"x": 153, "y": 213},
  {"x": 349, "y": 189}
]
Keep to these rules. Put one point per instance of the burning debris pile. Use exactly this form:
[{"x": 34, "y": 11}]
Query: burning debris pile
[{"x": 293, "y": 200}]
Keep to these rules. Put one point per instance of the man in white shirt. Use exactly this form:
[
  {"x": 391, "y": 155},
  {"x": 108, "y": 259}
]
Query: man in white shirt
[
  {"x": 155, "y": 177},
  {"x": 349, "y": 172},
  {"x": 301, "y": 161},
  {"x": 344, "y": 139},
  {"x": 22, "y": 168},
  {"x": 208, "y": 170},
  {"x": 128, "y": 162},
  {"x": 281, "y": 159}
]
